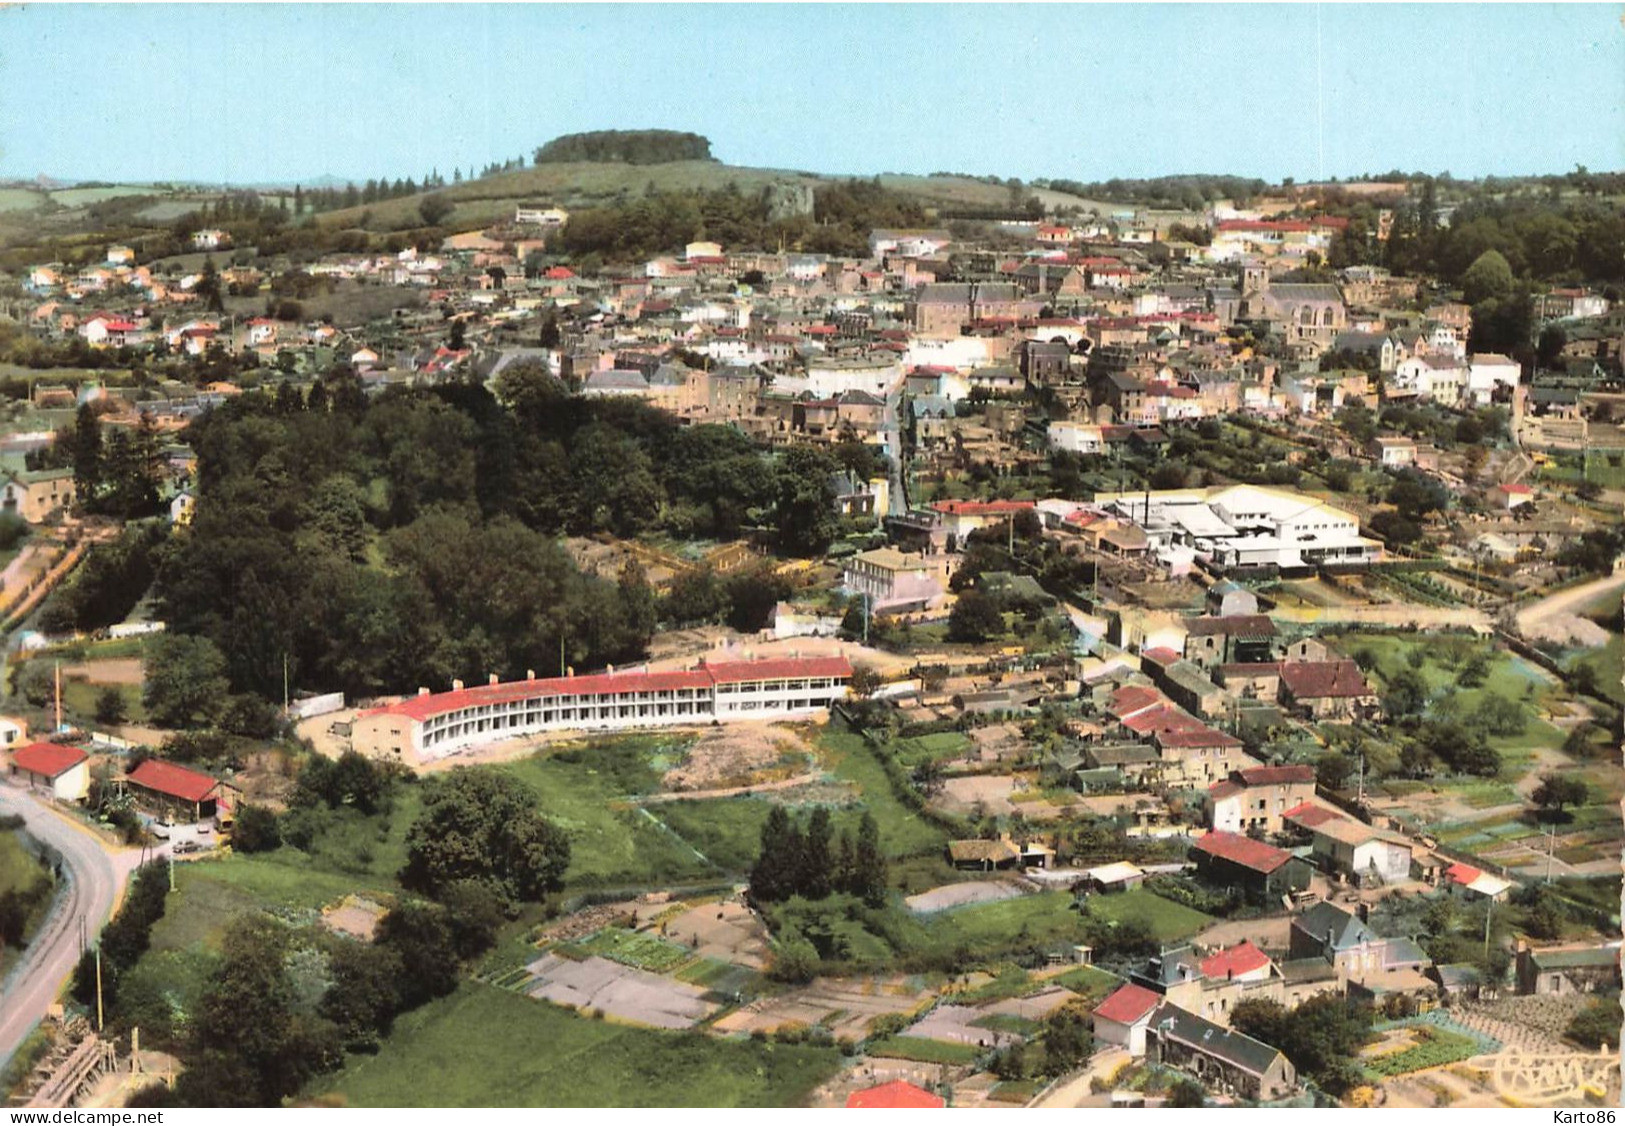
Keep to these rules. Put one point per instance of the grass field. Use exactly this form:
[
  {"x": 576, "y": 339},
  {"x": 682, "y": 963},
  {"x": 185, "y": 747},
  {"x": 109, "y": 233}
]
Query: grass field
[
  {"x": 20, "y": 199},
  {"x": 1170, "y": 921},
  {"x": 79, "y": 697},
  {"x": 1089, "y": 982},
  {"x": 82, "y": 197},
  {"x": 903, "y": 832},
  {"x": 489, "y": 1047},
  {"x": 921, "y": 1050},
  {"x": 1608, "y": 663},
  {"x": 590, "y": 791}
]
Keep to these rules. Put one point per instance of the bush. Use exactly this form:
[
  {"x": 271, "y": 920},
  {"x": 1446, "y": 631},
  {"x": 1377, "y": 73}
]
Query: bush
[
  {"x": 255, "y": 830},
  {"x": 110, "y": 706}
]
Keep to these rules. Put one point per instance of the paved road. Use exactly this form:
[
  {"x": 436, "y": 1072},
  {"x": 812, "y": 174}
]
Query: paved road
[{"x": 93, "y": 878}]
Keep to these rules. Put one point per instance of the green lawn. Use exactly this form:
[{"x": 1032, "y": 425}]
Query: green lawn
[
  {"x": 489, "y": 1047},
  {"x": 1168, "y": 920},
  {"x": 79, "y": 698},
  {"x": 1089, "y": 982}
]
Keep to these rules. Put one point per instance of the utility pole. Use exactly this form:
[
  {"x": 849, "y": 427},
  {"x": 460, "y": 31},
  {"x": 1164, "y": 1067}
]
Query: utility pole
[
  {"x": 98, "y": 985},
  {"x": 867, "y": 609},
  {"x": 1551, "y": 845},
  {"x": 284, "y": 684},
  {"x": 59, "y": 696}
]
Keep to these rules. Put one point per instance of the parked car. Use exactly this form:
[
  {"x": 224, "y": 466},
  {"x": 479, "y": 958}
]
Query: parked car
[
  {"x": 204, "y": 829},
  {"x": 184, "y": 847},
  {"x": 159, "y": 830}
]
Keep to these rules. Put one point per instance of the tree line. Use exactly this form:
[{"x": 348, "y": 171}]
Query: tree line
[{"x": 809, "y": 862}]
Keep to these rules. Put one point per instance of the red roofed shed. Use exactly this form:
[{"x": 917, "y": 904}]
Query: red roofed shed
[{"x": 181, "y": 789}]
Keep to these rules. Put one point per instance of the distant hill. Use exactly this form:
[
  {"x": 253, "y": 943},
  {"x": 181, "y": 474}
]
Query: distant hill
[
  {"x": 478, "y": 203},
  {"x": 625, "y": 146}
]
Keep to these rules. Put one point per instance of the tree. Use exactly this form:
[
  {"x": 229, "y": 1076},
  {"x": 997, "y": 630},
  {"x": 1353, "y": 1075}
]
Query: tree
[
  {"x": 771, "y": 878},
  {"x": 434, "y": 209},
  {"x": 482, "y": 824},
  {"x": 1558, "y": 790},
  {"x": 110, "y": 706},
  {"x": 1407, "y": 693},
  {"x": 255, "y": 829},
  {"x": 86, "y": 454},
  {"x": 1333, "y": 770},
  {"x": 819, "y": 860},
  {"x": 1067, "y": 1038},
  {"x": 869, "y": 864},
  {"x": 1597, "y": 1025},
  {"x": 804, "y": 500},
  {"x": 975, "y": 618},
  {"x": 185, "y": 680},
  {"x": 420, "y": 934},
  {"x": 866, "y": 681}
]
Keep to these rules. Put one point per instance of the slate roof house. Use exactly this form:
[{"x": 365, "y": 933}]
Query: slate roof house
[{"x": 1224, "y": 1060}]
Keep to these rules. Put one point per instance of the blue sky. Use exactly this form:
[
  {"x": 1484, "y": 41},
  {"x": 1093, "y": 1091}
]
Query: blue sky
[{"x": 259, "y": 93}]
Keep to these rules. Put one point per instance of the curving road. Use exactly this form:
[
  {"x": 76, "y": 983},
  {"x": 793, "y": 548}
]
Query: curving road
[{"x": 92, "y": 881}]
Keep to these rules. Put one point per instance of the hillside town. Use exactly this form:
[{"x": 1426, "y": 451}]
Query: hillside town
[{"x": 1113, "y": 645}]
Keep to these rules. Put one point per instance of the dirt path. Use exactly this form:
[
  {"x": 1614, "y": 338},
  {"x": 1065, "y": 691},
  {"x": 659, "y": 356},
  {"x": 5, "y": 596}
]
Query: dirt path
[
  {"x": 734, "y": 791},
  {"x": 1565, "y": 601}
]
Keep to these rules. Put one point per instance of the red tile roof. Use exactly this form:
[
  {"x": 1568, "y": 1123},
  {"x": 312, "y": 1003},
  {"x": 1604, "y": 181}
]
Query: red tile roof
[
  {"x": 1312, "y": 680},
  {"x": 1162, "y": 655},
  {"x": 50, "y": 760},
  {"x": 1277, "y": 775},
  {"x": 707, "y": 675},
  {"x": 1200, "y": 735},
  {"x": 732, "y": 672},
  {"x": 1241, "y": 958},
  {"x": 1132, "y": 699},
  {"x": 1160, "y": 720},
  {"x": 1221, "y": 790},
  {"x": 1128, "y": 1004},
  {"x": 1462, "y": 873},
  {"x": 899, "y": 1094},
  {"x": 1243, "y": 851},
  {"x": 980, "y": 507},
  {"x": 1308, "y": 814},
  {"x": 175, "y": 781}
]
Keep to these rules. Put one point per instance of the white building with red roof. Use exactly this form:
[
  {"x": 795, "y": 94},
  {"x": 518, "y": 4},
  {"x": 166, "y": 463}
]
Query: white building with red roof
[
  {"x": 899, "y": 1094},
  {"x": 60, "y": 769},
  {"x": 1241, "y": 962},
  {"x": 1123, "y": 1017},
  {"x": 434, "y": 725}
]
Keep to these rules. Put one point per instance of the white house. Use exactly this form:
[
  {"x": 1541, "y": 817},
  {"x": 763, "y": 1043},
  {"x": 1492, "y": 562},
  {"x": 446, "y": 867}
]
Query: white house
[
  {"x": 1487, "y": 371},
  {"x": 63, "y": 770},
  {"x": 12, "y": 730},
  {"x": 1076, "y": 437},
  {"x": 1362, "y": 851},
  {"x": 210, "y": 239},
  {"x": 541, "y": 216},
  {"x": 1123, "y": 1017}
]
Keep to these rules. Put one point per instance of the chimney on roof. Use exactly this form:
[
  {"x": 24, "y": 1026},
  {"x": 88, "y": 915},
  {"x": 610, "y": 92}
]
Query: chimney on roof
[
  {"x": 530, "y": 674},
  {"x": 611, "y": 669},
  {"x": 492, "y": 679},
  {"x": 456, "y": 686},
  {"x": 423, "y": 691},
  {"x": 570, "y": 671}
]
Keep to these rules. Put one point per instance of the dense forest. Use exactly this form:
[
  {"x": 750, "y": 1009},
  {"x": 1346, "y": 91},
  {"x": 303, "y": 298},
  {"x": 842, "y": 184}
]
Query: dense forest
[
  {"x": 411, "y": 539},
  {"x": 625, "y": 146}
]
